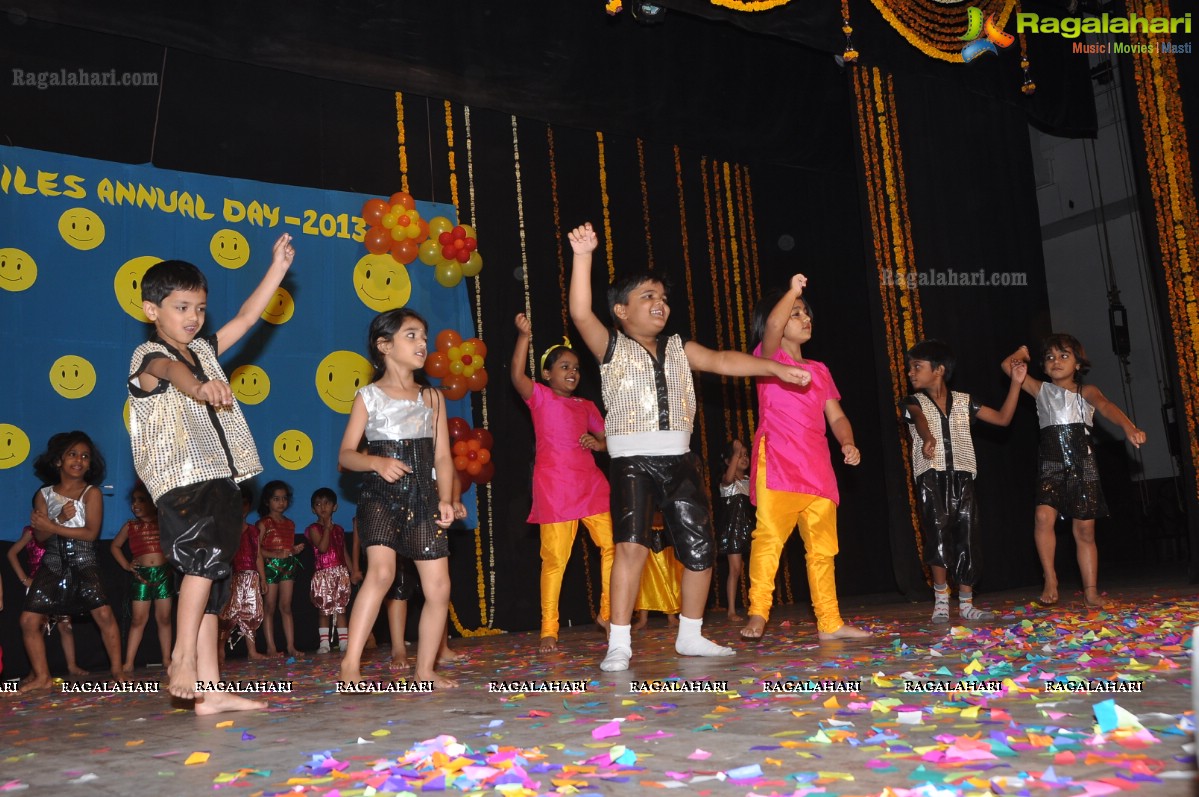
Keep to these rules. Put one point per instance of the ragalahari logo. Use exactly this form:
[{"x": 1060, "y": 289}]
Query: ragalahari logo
[{"x": 983, "y": 37}]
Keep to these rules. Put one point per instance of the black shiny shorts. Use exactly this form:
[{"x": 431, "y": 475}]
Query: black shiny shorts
[
  {"x": 200, "y": 526},
  {"x": 673, "y": 486},
  {"x": 73, "y": 590},
  {"x": 403, "y": 514}
]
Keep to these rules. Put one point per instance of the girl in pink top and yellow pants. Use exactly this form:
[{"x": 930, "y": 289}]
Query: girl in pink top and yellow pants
[
  {"x": 791, "y": 473},
  {"x": 567, "y": 484}
]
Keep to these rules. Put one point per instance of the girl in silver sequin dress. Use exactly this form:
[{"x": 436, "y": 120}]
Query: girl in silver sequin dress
[
  {"x": 403, "y": 508},
  {"x": 1069, "y": 478}
]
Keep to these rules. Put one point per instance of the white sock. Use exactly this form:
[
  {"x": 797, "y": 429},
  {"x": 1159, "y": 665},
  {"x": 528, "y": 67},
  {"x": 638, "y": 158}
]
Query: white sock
[
  {"x": 620, "y": 648},
  {"x": 691, "y": 642},
  {"x": 323, "y": 632}
]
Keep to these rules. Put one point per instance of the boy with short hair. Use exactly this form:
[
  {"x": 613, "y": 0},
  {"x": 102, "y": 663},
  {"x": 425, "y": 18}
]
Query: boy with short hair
[
  {"x": 191, "y": 445},
  {"x": 944, "y": 466},
  {"x": 650, "y": 400}
]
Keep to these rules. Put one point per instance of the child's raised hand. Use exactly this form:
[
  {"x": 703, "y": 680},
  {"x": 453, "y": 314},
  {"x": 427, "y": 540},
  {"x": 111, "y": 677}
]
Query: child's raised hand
[
  {"x": 738, "y": 448},
  {"x": 445, "y": 512},
  {"x": 295, "y": 549},
  {"x": 523, "y": 325},
  {"x": 216, "y": 393},
  {"x": 583, "y": 239},
  {"x": 851, "y": 453},
  {"x": 791, "y": 374},
  {"x": 798, "y": 283},
  {"x": 1019, "y": 371},
  {"x": 284, "y": 253},
  {"x": 391, "y": 470}
]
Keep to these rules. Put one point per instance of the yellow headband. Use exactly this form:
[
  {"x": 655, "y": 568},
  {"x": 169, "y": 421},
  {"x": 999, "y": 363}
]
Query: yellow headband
[{"x": 565, "y": 344}]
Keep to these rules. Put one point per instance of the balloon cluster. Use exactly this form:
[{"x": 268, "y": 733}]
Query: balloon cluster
[
  {"x": 472, "y": 452},
  {"x": 395, "y": 226},
  {"x": 457, "y": 363},
  {"x": 452, "y": 250}
]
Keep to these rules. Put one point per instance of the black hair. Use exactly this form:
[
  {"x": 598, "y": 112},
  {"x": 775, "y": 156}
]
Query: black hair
[
  {"x": 619, "y": 292},
  {"x": 1064, "y": 342},
  {"x": 762, "y": 311},
  {"x": 47, "y": 464},
  {"x": 385, "y": 325},
  {"x": 161, "y": 279},
  {"x": 555, "y": 354},
  {"x": 323, "y": 492},
  {"x": 139, "y": 487},
  {"x": 935, "y": 353},
  {"x": 727, "y": 454},
  {"x": 247, "y": 494},
  {"x": 264, "y": 500}
]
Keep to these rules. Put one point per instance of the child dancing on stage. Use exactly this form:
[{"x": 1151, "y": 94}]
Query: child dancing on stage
[{"x": 736, "y": 518}]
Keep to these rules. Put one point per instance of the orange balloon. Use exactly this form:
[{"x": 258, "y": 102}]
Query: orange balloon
[
  {"x": 377, "y": 240},
  {"x": 473, "y": 445},
  {"x": 460, "y": 463},
  {"x": 460, "y": 448},
  {"x": 480, "y": 346},
  {"x": 454, "y": 387},
  {"x": 437, "y": 365},
  {"x": 447, "y": 339},
  {"x": 477, "y": 381},
  {"x": 474, "y": 468},
  {"x": 373, "y": 210},
  {"x": 484, "y": 455},
  {"x": 403, "y": 199},
  {"x": 404, "y": 251}
]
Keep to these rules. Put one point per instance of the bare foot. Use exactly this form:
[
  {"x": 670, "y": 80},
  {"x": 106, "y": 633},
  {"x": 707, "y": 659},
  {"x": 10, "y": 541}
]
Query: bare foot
[
  {"x": 642, "y": 620},
  {"x": 549, "y": 644},
  {"x": 1092, "y": 599},
  {"x": 672, "y": 619},
  {"x": 438, "y": 681},
  {"x": 447, "y": 654},
  {"x": 219, "y": 702},
  {"x": 733, "y": 616},
  {"x": 349, "y": 675},
  {"x": 400, "y": 665},
  {"x": 844, "y": 632},
  {"x": 254, "y": 655},
  {"x": 293, "y": 653},
  {"x": 754, "y": 628},
  {"x": 1049, "y": 594},
  {"x": 77, "y": 671},
  {"x": 35, "y": 684},
  {"x": 182, "y": 675}
]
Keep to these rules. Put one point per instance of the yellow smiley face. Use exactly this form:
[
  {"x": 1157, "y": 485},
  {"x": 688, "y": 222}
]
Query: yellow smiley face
[
  {"x": 72, "y": 377},
  {"x": 14, "y": 446},
  {"x": 125, "y": 414},
  {"x": 338, "y": 378},
  {"x": 280, "y": 308},
  {"x": 17, "y": 270},
  {"x": 382, "y": 283},
  {"x": 229, "y": 248},
  {"x": 250, "y": 384},
  {"x": 293, "y": 449},
  {"x": 81, "y": 228},
  {"x": 127, "y": 285}
]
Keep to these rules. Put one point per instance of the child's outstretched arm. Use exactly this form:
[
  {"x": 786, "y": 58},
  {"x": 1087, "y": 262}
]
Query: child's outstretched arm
[
  {"x": 583, "y": 241},
  {"x": 780, "y": 314},
  {"x": 1094, "y": 396},
  {"x": 928, "y": 443},
  {"x": 16, "y": 548},
  {"x": 1030, "y": 385},
  {"x": 443, "y": 461},
  {"x": 1018, "y": 371},
  {"x": 520, "y": 357},
  {"x": 459, "y": 507},
  {"x": 842, "y": 431},
  {"x": 351, "y": 458},
  {"x": 251, "y": 309},
  {"x": 736, "y": 363}
]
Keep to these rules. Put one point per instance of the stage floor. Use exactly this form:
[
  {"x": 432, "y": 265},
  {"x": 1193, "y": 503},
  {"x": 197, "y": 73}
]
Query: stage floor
[{"x": 737, "y": 740}]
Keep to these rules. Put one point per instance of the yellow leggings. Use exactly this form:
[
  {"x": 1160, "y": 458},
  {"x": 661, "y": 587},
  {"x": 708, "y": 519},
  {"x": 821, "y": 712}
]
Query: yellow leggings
[
  {"x": 779, "y": 511},
  {"x": 557, "y": 539}
]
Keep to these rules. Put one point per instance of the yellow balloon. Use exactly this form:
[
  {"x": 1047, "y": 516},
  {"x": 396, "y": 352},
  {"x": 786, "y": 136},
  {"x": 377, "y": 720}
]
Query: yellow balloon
[
  {"x": 17, "y": 270},
  {"x": 472, "y": 267},
  {"x": 448, "y": 273},
  {"x": 293, "y": 449},
  {"x": 72, "y": 377},
  {"x": 469, "y": 230},
  {"x": 229, "y": 248},
  {"x": 280, "y": 308},
  {"x": 338, "y": 378},
  {"x": 250, "y": 384},
  {"x": 438, "y": 225},
  {"x": 81, "y": 228},
  {"x": 14, "y": 446}
]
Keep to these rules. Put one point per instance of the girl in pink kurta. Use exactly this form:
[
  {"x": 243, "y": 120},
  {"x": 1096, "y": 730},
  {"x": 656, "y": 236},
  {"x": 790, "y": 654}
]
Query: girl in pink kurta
[
  {"x": 791, "y": 473},
  {"x": 567, "y": 484}
]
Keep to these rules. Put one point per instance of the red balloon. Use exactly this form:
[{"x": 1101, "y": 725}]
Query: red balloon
[
  {"x": 437, "y": 365},
  {"x": 484, "y": 437},
  {"x": 462, "y": 255},
  {"x": 403, "y": 199},
  {"x": 477, "y": 381},
  {"x": 449, "y": 252},
  {"x": 471, "y": 244},
  {"x": 458, "y": 429},
  {"x": 447, "y": 339},
  {"x": 458, "y": 233},
  {"x": 454, "y": 387},
  {"x": 480, "y": 346},
  {"x": 405, "y": 251},
  {"x": 486, "y": 473},
  {"x": 377, "y": 240},
  {"x": 373, "y": 210},
  {"x": 471, "y": 456},
  {"x": 445, "y": 239}
]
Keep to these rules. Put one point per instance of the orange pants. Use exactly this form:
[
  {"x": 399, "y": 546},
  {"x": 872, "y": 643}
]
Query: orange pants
[
  {"x": 779, "y": 511},
  {"x": 556, "y": 541}
]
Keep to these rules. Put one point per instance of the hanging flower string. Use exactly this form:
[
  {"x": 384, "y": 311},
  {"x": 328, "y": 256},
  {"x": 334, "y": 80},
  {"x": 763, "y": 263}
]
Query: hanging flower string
[
  {"x": 401, "y": 139},
  {"x": 851, "y": 53}
]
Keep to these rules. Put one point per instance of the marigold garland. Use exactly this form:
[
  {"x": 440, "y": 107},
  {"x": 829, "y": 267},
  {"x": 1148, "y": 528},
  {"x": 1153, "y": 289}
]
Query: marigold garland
[
  {"x": 1171, "y": 184},
  {"x": 556, "y": 231},
  {"x": 934, "y": 29},
  {"x": 603, "y": 177},
  {"x": 402, "y": 141},
  {"x": 649, "y": 241},
  {"x": 752, "y": 6}
]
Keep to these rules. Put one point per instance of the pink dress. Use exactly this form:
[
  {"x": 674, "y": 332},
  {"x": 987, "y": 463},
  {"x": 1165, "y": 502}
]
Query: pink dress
[
  {"x": 792, "y": 421},
  {"x": 244, "y": 609},
  {"x": 567, "y": 484},
  {"x": 330, "y": 588}
]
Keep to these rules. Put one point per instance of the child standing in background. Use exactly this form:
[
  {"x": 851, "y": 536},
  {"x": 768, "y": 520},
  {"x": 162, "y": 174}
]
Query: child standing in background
[
  {"x": 330, "y": 588},
  {"x": 152, "y": 577},
  {"x": 568, "y": 486},
  {"x": 945, "y": 469},
  {"x": 277, "y": 548},
  {"x": 792, "y": 480},
  {"x": 1069, "y": 478},
  {"x": 736, "y": 518},
  {"x": 244, "y": 610}
]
